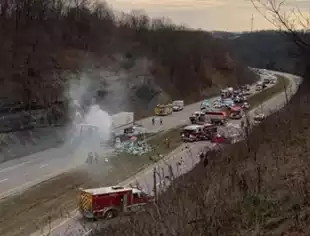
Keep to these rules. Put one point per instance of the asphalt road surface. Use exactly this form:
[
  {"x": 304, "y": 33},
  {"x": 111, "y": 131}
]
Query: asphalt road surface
[
  {"x": 19, "y": 174},
  {"x": 74, "y": 225}
]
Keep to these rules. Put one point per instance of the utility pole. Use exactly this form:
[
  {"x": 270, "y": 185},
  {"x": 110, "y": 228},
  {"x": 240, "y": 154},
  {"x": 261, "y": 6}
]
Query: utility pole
[{"x": 252, "y": 22}]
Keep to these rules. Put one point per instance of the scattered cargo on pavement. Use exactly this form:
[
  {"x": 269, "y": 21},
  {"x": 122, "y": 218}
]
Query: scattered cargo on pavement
[{"x": 134, "y": 147}]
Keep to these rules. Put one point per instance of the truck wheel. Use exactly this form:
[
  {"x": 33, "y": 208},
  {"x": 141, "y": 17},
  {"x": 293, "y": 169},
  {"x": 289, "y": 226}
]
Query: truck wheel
[{"x": 110, "y": 214}]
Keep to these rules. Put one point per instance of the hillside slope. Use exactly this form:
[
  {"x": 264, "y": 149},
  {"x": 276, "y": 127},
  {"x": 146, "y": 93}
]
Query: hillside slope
[
  {"x": 47, "y": 38},
  {"x": 127, "y": 63}
]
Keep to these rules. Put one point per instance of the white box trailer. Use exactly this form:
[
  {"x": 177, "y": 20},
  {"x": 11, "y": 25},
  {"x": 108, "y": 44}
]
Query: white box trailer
[{"x": 122, "y": 120}]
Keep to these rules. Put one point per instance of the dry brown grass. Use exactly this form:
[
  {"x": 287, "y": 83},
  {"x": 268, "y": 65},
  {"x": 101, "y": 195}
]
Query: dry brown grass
[{"x": 263, "y": 191}]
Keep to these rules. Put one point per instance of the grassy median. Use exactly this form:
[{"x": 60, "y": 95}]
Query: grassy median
[
  {"x": 266, "y": 94},
  {"x": 56, "y": 197}
]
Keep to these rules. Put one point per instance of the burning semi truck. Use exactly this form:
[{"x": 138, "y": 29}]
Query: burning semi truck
[{"x": 121, "y": 123}]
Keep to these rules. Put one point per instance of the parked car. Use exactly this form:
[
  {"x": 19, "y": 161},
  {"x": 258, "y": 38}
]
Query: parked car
[
  {"x": 245, "y": 106},
  {"x": 259, "y": 117},
  {"x": 218, "y": 105},
  {"x": 177, "y": 105}
]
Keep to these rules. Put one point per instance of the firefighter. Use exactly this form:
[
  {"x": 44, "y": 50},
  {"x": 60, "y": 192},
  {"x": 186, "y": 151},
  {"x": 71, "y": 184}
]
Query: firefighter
[
  {"x": 242, "y": 124},
  {"x": 153, "y": 120},
  {"x": 89, "y": 159},
  {"x": 205, "y": 161},
  {"x": 167, "y": 142},
  {"x": 96, "y": 158},
  {"x": 122, "y": 203},
  {"x": 205, "y": 158},
  {"x": 201, "y": 156},
  {"x": 180, "y": 162}
]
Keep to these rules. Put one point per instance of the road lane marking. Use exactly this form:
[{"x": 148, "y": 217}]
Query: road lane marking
[
  {"x": 33, "y": 159},
  {"x": 28, "y": 184},
  {"x": 16, "y": 166},
  {"x": 42, "y": 166},
  {"x": 3, "y": 180}
]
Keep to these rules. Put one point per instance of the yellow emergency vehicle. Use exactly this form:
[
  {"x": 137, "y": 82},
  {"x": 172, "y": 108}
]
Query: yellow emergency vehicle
[{"x": 163, "y": 110}]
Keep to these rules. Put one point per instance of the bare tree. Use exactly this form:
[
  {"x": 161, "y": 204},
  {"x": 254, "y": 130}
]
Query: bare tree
[{"x": 291, "y": 20}]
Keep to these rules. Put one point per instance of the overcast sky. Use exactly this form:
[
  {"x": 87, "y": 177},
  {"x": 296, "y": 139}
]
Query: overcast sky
[{"x": 226, "y": 15}]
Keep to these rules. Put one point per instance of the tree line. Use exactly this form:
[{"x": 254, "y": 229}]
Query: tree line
[{"x": 43, "y": 38}]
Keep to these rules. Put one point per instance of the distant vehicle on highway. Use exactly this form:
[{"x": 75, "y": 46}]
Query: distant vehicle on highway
[
  {"x": 218, "y": 105},
  {"x": 198, "y": 117},
  {"x": 245, "y": 106},
  {"x": 240, "y": 99},
  {"x": 177, "y": 105},
  {"x": 227, "y": 93},
  {"x": 236, "y": 113},
  {"x": 205, "y": 105},
  {"x": 217, "y": 117},
  {"x": 266, "y": 80},
  {"x": 259, "y": 117},
  {"x": 228, "y": 102},
  {"x": 259, "y": 86}
]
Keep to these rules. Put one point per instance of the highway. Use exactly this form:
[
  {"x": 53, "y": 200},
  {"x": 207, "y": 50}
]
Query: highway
[
  {"x": 74, "y": 225},
  {"x": 19, "y": 174}
]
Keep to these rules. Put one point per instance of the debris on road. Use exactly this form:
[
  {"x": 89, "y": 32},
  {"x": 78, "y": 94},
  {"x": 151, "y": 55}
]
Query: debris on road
[{"x": 135, "y": 147}]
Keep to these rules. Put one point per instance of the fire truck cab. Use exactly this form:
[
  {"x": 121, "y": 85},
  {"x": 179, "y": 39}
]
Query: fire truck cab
[
  {"x": 236, "y": 112},
  {"x": 192, "y": 133},
  {"x": 109, "y": 202},
  {"x": 198, "y": 117},
  {"x": 217, "y": 117}
]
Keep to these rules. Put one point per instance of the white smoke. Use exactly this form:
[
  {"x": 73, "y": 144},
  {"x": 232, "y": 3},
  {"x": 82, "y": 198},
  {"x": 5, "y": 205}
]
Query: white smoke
[
  {"x": 86, "y": 116},
  {"x": 101, "y": 119}
]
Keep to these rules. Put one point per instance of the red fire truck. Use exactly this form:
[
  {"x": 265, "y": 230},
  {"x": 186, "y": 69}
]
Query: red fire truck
[
  {"x": 193, "y": 133},
  {"x": 217, "y": 117},
  {"x": 236, "y": 112},
  {"x": 108, "y": 202}
]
